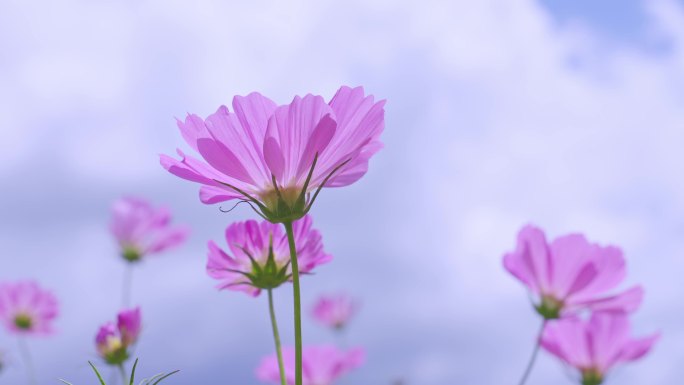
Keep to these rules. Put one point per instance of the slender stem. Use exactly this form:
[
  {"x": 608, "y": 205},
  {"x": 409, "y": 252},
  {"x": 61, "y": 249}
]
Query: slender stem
[
  {"x": 127, "y": 285},
  {"x": 297, "y": 303},
  {"x": 28, "y": 361},
  {"x": 276, "y": 338},
  {"x": 124, "y": 377},
  {"x": 535, "y": 352}
]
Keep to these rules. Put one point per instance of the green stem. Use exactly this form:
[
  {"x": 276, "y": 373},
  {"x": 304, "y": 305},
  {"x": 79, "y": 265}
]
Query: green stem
[
  {"x": 297, "y": 304},
  {"x": 124, "y": 377},
  {"x": 276, "y": 338},
  {"x": 535, "y": 352},
  {"x": 28, "y": 361}
]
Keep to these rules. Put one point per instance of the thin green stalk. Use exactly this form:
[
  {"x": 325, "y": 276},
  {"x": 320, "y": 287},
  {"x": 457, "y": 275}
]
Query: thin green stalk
[
  {"x": 297, "y": 303},
  {"x": 124, "y": 377},
  {"x": 276, "y": 338},
  {"x": 28, "y": 361},
  {"x": 535, "y": 352}
]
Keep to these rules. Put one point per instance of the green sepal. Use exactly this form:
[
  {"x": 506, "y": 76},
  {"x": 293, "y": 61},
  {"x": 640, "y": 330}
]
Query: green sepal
[
  {"x": 117, "y": 357},
  {"x": 592, "y": 377},
  {"x": 550, "y": 308}
]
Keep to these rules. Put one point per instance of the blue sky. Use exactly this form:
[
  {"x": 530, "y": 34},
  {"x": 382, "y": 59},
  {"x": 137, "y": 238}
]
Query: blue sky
[{"x": 499, "y": 113}]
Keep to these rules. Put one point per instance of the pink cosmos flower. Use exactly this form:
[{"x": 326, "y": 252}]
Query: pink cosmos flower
[
  {"x": 129, "y": 323},
  {"x": 27, "y": 309},
  {"x": 334, "y": 311},
  {"x": 112, "y": 341},
  {"x": 570, "y": 274},
  {"x": 594, "y": 347},
  {"x": 141, "y": 229},
  {"x": 274, "y": 156},
  {"x": 322, "y": 365},
  {"x": 259, "y": 255}
]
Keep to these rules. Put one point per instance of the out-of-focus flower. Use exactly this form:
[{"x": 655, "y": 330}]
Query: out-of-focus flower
[
  {"x": 275, "y": 156},
  {"x": 334, "y": 311},
  {"x": 260, "y": 256},
  {"x": 27, "y": 309},
  {"x": 114, "y": 340},
  {"x": 141, "y": 229},
  {"x": 323, "y": 365},
  {"x": 129, "y": 323},
  {"x": 570, "y": 274},
  {"x": 594, "y": 347}
]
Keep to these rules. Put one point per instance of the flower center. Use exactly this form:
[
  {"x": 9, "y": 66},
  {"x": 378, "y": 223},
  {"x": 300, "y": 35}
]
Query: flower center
[
  {"x": 114, "y": 351},
  {"x": 269, "y": 274},
  {"x": 550, "y": 307},
  {"x": 591, "y": 376},
  {"x": 131, "y": 254},
  {"x": 283, "y": 199},
  {"x": 23, "y": 321}
]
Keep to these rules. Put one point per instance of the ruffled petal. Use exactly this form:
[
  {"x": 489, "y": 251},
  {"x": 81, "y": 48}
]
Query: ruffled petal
[
  {"x": 610, "y": 269},
  {"x": 531, "y": 262},
  {"x": 637, "y": 348},
  {"x": 566, "y": 339},
  {"x": 625, "y": 302},
  {"x": 292, "y": 128},
  {"x": 360, "y": 121}
]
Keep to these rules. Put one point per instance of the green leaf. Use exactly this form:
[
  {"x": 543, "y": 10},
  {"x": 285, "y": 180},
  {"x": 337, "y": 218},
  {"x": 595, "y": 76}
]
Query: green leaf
[
  {"x": 135, "y": 364},
  {"x": 166, "y": 375},
  {"x": 99, "y": 377}
]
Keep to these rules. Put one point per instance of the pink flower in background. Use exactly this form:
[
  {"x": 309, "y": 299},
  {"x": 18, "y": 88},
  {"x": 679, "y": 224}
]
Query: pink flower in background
[
  {"x": 259, "y": 255},
  {"x": 129, "y": 323},
  {"x": 334, "y": 311},
  {"x": 141, "y": 229},
  {"x": 322, "y": 365},
  {"x": 107, "y": 339},
  {"x": 594, "y": 347},
  {"x": 570, "y": 274},
  {"x": 259, "y": 143},
  {"x": 27, "y": 309},
  {"x": 113, "y": 341}
]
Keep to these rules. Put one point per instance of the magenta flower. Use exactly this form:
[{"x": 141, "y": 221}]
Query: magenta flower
[
  {"x": 334, "y": 311},
  {"x": 322, "y": 365},
  {"x": 129, "y": 323},
  {"x": 260, "y": 256},
  {"x": 275, "y": 156},
  {"x": 570, "y": 274},
  {"x": 594, "y": 347},
  {"x": 141, "y": 229},
  {"x": 27, "y": 309},
  {"x": 113, "y": 341}
]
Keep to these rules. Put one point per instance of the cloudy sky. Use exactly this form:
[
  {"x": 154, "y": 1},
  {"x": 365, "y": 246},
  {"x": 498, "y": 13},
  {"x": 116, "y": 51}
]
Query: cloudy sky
[{"x": 500, "y": 113}]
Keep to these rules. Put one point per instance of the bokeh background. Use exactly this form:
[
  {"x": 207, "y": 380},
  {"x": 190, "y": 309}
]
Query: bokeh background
[{"x": 566, "y": 114}]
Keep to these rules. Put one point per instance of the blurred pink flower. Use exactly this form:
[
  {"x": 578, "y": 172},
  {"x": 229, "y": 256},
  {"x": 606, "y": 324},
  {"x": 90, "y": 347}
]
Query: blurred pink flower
[
  {"x": 112, "y": 341},
  {"x": 129, "y": 323},
  {"x": 260, "y": 143},
  {"x": 334, "y": 311},
  {"x": 322, "y": 365},
  {"x": 261, "y": 255},
  {"x": 27, "y": 309},
  {"x": 593, "y": 347},
  {"x": 140, "y": 229},
  {"x": 570, "y": 274}
]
